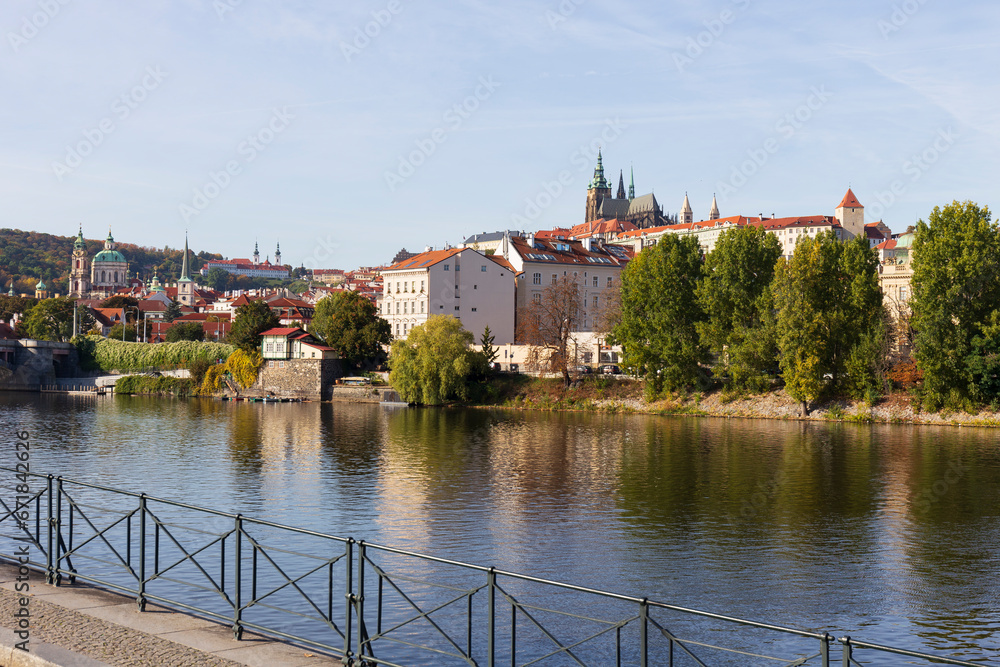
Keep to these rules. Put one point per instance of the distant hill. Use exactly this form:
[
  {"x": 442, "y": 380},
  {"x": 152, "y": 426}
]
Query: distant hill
[{"x": 28, "y": 256}]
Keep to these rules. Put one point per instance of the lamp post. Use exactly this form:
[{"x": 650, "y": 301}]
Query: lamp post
[{"x": 125, "y": 320}]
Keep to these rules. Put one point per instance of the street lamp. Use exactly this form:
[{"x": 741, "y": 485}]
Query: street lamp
[{"x": 125, "y": 320}]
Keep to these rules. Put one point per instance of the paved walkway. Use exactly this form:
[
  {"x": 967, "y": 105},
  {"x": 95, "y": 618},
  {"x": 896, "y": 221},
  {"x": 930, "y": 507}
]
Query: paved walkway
[{"x": 82, "y": 626}]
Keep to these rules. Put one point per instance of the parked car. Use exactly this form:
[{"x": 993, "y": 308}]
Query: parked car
[
  {"x": 610, "y": 369},
  {"x": 514, "y": 368},
  {"x": 582, "y": 370}
]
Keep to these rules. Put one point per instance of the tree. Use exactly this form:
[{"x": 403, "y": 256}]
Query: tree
[
  {"x": 735, "y": 294},
  {"x": 14, "y": 305},
  {"x": 172, "y": 312},
  {"x": 85, "y": 321},
  {"x": 129, "y": 303},
  {"x": 956, "y": 298},
  {"x": 489, "y": 352},
  {"x": 547, "y": 323},
  {"x": 250, "y": 321},
  {"x": 185, "y": 331},
  {"x": 116, "y": 333},
  {"x": 50, "y": 319},
  {"x": 350, "y": 324},
  {"x": 831, "y": 324},
  {"x": 434, "y": 363},
  {"x": 219, "y": 279},
  {"x": 659, "y": 312}
]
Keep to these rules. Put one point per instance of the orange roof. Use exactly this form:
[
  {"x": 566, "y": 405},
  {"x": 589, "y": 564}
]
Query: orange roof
[
  {"x": 797, "y": 221},
  {"x": 280, "y": 332},
  {"x": 887, "y": 245},
  {"x": 849, "y": 201},
  {"x": 425, "y": 259},
  {"x": 499, "y": 259}
]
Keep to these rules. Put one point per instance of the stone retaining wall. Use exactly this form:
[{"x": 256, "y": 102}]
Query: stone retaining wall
[{"x": 296, "y": 378}]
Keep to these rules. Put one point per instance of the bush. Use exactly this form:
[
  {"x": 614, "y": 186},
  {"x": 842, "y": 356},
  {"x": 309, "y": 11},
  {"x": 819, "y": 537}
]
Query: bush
[
  {"x": 244, "y": 366},
  {"x": 144, "y": 384},
  {"x": 98, "y": 353}
]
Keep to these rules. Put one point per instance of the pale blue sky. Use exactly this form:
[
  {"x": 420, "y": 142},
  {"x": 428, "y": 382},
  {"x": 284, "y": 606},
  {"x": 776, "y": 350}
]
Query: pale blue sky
[{"x": 699, "y": 97}]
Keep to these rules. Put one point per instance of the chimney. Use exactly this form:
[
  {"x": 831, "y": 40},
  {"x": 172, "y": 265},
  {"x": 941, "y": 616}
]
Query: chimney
[
  {"x": 530, "y": 239},
  {"x": 586, "y": 243}
]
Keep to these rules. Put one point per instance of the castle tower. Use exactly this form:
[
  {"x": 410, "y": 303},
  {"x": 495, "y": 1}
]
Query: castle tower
[
  {"x": 185, "y": 286},
  {"x": 687, "y": 215},
  {"x": 714, "y": 213},
  {"x": 598, "y": 190},
  {"x": 277, "y": 255},
  {"x": 851, "y": 214},
  {"x": 79, "y": 271},
  {"x": 256, "y": 253}
]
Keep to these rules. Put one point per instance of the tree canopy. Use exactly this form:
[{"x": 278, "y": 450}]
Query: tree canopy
[
  {"x": 735, "y": 294},
  {"x": 956, "y": 299},
  {"x": 185, "y": 331},
  {"x": 546, "y": 324},
  {"x": 249, "y": 322},
  {"x": 434, "y": 363},
  {"x": 50, "y": 319},
  {"x": 350, "y": 324},
  {"x": 659, "y": 314}
]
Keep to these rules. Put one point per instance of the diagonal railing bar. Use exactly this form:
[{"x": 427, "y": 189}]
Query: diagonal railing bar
[
  {"x": 616, "y": 626},
  {"x": 515, "y": 604},
  {"x": 68, "y": 551},
  {"x": 673, "y": 638},
  {"x": 188, "y": 556},
  {"x": 294, "y": 582},
  {"x": 22, "y": 525},
  {"x": 422, "y": 614}
]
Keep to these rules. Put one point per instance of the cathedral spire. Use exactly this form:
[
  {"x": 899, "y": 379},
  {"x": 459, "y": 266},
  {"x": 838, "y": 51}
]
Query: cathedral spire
[
  {"x": 687, "y": 215},
  {"x": 631, "y": 183},
  {"x": 256, "y": 253},
  {"x": 621, "y": 185},
  {"x": 599, "y": 180},
  {"x": 714, "y": 213},
  {"x": 184, "y": 263}
]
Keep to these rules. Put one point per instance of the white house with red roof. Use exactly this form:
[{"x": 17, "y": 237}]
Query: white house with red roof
[
  {"x": 293, "y": 343},
  {"x": 478, "y": 289}
]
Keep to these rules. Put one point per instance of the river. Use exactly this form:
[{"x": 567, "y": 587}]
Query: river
[{"x": 889, "y": 532}]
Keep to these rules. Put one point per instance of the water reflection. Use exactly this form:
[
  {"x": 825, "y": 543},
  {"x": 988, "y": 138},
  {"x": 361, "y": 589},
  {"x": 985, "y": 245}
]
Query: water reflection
[{"x": 889, "y": 528}]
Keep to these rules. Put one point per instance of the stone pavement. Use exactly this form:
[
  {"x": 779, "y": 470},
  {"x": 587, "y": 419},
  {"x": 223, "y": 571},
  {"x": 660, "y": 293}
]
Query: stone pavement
[{"x": 82, "y": 626}]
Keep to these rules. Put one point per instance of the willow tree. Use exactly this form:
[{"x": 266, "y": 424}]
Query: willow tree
[
  {"x": 739, "y": 326},
  {"x": 659, "y": 314},
  {"x": 434, "y": 363},
  {"x": 956, "y": 305}
]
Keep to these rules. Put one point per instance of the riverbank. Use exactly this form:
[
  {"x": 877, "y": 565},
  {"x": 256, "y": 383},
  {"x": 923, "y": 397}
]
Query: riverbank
[{"x": 602, "y": 394}]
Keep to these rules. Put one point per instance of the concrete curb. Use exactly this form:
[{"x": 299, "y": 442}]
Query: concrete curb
[{"x": 40, "y": 654}]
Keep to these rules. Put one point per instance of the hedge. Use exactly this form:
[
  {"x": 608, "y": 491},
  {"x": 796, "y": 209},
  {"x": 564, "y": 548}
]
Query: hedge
[
  {"x": 97, "y": 353},
  {"x": 161, "y": 385}
]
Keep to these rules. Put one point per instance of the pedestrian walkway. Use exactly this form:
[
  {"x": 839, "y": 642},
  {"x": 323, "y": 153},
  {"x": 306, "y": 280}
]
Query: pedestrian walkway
[{"x": 82, "y": 626}]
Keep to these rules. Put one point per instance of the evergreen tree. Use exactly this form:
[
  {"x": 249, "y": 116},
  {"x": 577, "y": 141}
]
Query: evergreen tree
[
  {"x": 172, "y": 312},
  {"x": 489, "y": 352}
]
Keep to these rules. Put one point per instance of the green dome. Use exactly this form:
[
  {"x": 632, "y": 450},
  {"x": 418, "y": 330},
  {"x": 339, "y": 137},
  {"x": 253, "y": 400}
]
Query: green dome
[
  {"x": 40, "y": 284},
  {"x": 109, "y": 256}
]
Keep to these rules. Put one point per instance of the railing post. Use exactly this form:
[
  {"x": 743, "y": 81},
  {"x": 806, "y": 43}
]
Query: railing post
[
  {"x": 824, "y": 650},
  {"x": 49, "y": 572},
  {"x": 643, "y": 633},
  {"x": 359, "y": 600},
  {"x": 56, "y": 525},
  {"x": 238, "y": 583},
  {"x": 349, "y": 594},
  {"x": 141, "y": 599},
  {"x": 848, "y": 653},
  {"x": 491, "y": 582}
]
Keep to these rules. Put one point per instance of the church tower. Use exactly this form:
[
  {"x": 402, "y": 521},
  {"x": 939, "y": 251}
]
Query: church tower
[
  {"x": 687, "y": 215},
  {"x": 598, "y": 190},
  {"x": 631, "y": 184},
  {"x": 185, "y": 286},
  {"x": 851, "y": 214},
  {"x": 277, "y": 255},
  {"x": 256, "y": 254},
  {"x": 621, "y": 186},
  {"x": 79, "y": 272},
  {"x": 714, "y": 213}
]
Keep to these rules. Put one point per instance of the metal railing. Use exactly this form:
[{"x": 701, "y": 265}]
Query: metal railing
[{"x": 371, "y": 604}]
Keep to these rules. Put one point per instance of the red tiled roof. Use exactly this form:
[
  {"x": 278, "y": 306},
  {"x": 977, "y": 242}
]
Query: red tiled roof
[
  {"x": 887, "y": 245},
  {"x": 501, "y": 261},
  {"x": 280, "y": 331},
  {"x": 425, "y": 259},
  {"x": 797, "y": 221},
  {"x": 849, "y": 201}
]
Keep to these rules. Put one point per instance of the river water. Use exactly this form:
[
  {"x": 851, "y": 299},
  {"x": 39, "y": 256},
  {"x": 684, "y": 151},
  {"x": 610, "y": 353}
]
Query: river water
[{"x": 888, "y": 532}]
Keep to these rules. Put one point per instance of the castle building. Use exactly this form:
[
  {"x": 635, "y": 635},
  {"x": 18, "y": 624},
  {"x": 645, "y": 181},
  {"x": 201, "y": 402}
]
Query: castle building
[{"x": 642, "y": 211}]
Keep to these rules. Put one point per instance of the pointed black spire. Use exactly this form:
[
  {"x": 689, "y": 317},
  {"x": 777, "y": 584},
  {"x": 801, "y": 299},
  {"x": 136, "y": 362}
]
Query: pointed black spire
[{"x": 621, "y": 185}]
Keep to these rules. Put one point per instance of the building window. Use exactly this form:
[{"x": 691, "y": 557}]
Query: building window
[
  {"x": 281, "y": 364},
  {"x": 536, "y": 279},
  {"x": 270, "y": 364},
  {"x": 554, "y": 278},
  {"x": 595, "y": 281},
  {"x": 397, "y": 328},
  {"x": 595, "y": 301},
  {"x": 404, "y": 308},
  {"x": 447, "y": 267},
  {"x": 270, "y": 347},
  {"x": 458, "y": 267},
  {"x": 456, "y": 307},
  {"x": 421, "y": 286},
  {"x": 475, "y": 287},
  {"x": 404, "y": 288},
  {"x": 397, "y": 308},
  {"x": 473, "y": 310},
  {"x": 609, "y": 281},
  {"x": 537, "y": 298},
  {"x": 421, "y": 307},
  {"x": 483, "y": 269}
]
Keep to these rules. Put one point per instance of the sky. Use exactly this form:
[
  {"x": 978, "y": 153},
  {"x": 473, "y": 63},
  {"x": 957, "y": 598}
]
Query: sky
[{"x": 347, "y": 131}]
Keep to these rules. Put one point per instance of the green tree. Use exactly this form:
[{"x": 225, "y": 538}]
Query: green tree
[
  {"x": 116, "y": 333},
  {"x": 219, "y": 279},
  {"x": 185, "y": 331},
  {"x": 547, "y": 325},
  {"x": 350, "y": 324},
  {"x": 434, "y": 363},
  {"x": 659, "y": 314},
  {"x": 172, "y": 312},
  {"x": 85, "y": 321},
  {"x": 489, "y": 351},
  {"x": 50, "y": 319},
  {"x": 735, "y": 294},
  {"x": 129, "y": 303},
  {"x": 250, "y": 321},
  {"x": 831, "y": 324},
  {"x": 956, "y": 297}
]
